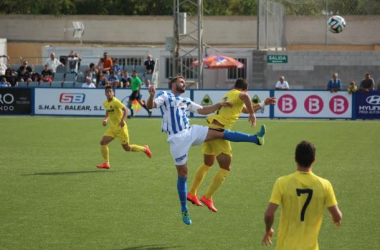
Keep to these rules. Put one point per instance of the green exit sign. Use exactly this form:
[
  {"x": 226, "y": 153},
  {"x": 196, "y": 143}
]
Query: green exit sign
[{"x": 277, "y": 59}]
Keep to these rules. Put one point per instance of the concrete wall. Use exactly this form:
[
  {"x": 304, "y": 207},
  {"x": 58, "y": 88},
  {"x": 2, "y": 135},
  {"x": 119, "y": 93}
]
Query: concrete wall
[{"x": 313, "y": 69}]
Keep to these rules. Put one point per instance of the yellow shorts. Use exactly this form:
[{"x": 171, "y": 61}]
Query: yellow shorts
[
  {"x": 217, "y": 147},
  {"x": 118, "y": 132}
]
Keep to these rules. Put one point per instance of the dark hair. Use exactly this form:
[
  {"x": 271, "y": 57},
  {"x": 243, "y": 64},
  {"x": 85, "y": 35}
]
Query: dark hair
[
  {"x": 305, "y": 154},
  {"x": 92, "y": 65},
  {"x": 175, "y": 79},
  {"x": 241, "y": 83},
  {"x": 134, "y": 71},
  {"x": 108, "y": 87}
]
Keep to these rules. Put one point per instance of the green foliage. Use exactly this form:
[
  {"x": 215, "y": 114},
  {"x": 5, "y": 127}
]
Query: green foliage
[{"x": 53, "y": 197}]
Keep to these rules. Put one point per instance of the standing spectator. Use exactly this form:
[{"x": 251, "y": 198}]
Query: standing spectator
[
  {"x": 352, "y": 88},
  {"x": 282, "y": 84},
  {"x": 53, "y": 63},
  {"x": 303, "y": 197},
  {"x": 25, "y": 73},
  {"x": 88, "y": 83},
  {"x": 74, "y": 62},
  {"x": 4, "y": 83},
  {"x": 107, "y": 63},
  {"x": 91, "y": 72},
  {"x": 116, "y": 67},
  {"x": 367, "y": 83},
  {"x": 126, "y": 80},
  {"x": 334, "y": 83},
  {"x": 113, "y": 80},
  {"x": 11, "y": 77},
  {"x": 46, "y": 74},
  {"x": 149, "y": 65},
  {"x": 3, "y": 66}
]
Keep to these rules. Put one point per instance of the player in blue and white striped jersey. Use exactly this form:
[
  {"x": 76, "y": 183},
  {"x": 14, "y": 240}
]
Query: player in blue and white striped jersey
[{"x": 182, "y": 135}]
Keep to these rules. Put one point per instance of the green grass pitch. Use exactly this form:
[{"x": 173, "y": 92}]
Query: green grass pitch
[{"x": 53, "y": 197}]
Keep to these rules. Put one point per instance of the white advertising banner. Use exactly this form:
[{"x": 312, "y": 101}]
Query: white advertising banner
[
  {"x": 64, "y": 101},
  {"x": 313, "y": 104},
  {"x": 211, "y": 97},
  {"x": 123, "y": 96}
]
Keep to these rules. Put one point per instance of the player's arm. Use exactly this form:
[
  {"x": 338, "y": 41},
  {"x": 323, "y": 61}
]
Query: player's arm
[
  {"x": 336, "y": 214},
  {"x": 267, "y": 101},
  {"x": 150, "y": 104},
  {"x": 105, "y": 120},
  {"x": 125, "y": 113},
  {"x": 247, "y": 102},
  {"x": 269, "y": 219},
  {"x": 210, "y": 109}
]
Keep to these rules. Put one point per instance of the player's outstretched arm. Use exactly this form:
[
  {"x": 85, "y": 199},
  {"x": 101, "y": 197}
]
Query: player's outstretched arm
[
  {"x": 150, "y": 103},
  {"x": 210, "y": 109},
  {"x": 268, "y": 101},
  {"x": 336, "y": 214}
]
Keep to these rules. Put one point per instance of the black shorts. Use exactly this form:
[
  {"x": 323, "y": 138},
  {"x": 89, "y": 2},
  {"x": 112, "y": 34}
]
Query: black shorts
[{"x": 135, "y": 96}]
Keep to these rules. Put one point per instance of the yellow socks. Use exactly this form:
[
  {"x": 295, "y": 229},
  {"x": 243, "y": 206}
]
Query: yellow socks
[
  {"x": 198, "y": 178},
  {"x": 137, "y": 148},
  {"x": 216, "y": 182},
  {"x": 105, "y": 153}
]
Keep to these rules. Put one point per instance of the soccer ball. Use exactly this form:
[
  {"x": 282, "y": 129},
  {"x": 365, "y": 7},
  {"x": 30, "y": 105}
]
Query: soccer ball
[{"x": 336, "y": 24}]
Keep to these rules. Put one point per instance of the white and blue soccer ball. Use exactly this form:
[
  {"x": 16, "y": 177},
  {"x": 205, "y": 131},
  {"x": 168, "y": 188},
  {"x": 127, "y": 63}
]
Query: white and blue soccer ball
[{"x": 336, "y": 24}]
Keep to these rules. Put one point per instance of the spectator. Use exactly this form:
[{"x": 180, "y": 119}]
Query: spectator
[
  {"x": 378, "y": 85},
  {"x": 88, "y": 83},
  {"x": 282, "y": 84},
  {"x": 46, "y": 74},
  {"x": 3, "y": 66},
  {"x": 102, "y": 80},
  {"x": 4, "y": 83},
  {"x": 107, "y": 63},
  {"x": 334, "y": 84},
  {"x": 352, "y": 88},
  {"x": 11, "y": 77},
  {"x": 126, "y": 80},
  {"x": 149, "y": 65},
  {"x": 367, "y": 83},
  {"x": 25, "y": 73},
  {"x": 146, "y": 84},
  {"x": 74, "y": 62},
  {"x": 113, "y": 80},
  {"x": 100, "y": 65},
  {"x": 53, "y": 63},
  {"x": 116, "y": 67},
  {"x": 91, "y": 72}
]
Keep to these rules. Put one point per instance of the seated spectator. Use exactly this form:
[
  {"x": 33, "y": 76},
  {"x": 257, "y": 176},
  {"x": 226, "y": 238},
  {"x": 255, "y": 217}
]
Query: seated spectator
[
  {"x": 74, "y": 62},
  {"x": 334, "y": 84},
  {"x": 107, "y": 63},
  {"x": 92, "y": 72},
  {"x": 3, "y": 66},
  {"x": 352, "y": 88},
  {"x": 149, "y": 65},
  {"x": 116, "y": 67},
  {"x": 102, "y": 80},
  {"x": 125, "y": 80},
  {"x": 113, "y": 79},
  {"x": 367, "y": 83},
  {"x": 282, "y": 84},
  {"x": 53, "y": 63},
  {"x": 88, "y": 83},
  {"x": 146, "y": 84},
  {"x": 46, "y": 74},
  {"x": 25, "y": 73},
  {"x": 11, "y": 77},
  {"x": 4, "y": 83}
]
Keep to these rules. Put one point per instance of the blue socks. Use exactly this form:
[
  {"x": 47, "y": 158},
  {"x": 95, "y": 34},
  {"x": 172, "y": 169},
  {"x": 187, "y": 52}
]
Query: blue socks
[
  {"x": 239, "y": 137},
  {"x": 182, "y": 193}
]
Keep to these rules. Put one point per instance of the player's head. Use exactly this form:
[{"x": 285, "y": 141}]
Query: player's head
[
  {"x": 305, "y": 154},
  {"x": 109, "y": 92},
  {"x": 178, "y": 85},
  {"x": 241, "y": 83}
]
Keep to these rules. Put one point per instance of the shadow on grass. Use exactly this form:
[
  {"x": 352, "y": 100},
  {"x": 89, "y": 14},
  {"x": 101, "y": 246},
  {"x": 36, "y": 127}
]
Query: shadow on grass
[
  {"x": 150, "y": 247},
  {"x": 71, "y": 172}
]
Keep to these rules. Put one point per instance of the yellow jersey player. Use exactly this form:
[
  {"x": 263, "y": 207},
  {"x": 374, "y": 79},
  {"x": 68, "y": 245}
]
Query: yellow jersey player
[
  {"x": 117, "y": 112},
  {"x": 303, "y": 197},
  {"x": 220, "y": 149}
]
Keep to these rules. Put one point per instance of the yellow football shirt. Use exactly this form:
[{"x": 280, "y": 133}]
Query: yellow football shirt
[
  {"x": 228, "y": 115},
  {"x": 303, "y": 197},
  {"x": 114, "y": 110}
]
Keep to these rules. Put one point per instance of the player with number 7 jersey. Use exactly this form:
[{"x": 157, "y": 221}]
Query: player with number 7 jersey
[{"x": 303, "y": 197}]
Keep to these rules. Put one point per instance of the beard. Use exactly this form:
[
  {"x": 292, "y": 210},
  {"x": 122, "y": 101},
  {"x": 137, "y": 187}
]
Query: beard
[{"x": 180, "y": 90}]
